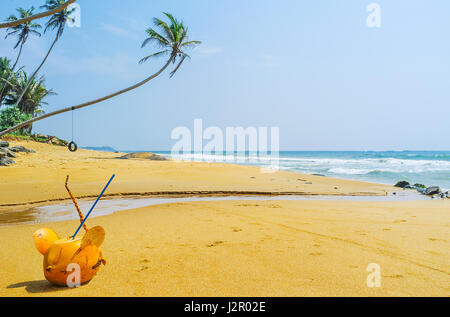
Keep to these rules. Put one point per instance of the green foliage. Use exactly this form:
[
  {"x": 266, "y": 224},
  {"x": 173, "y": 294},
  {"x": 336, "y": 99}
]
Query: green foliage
[
  {"x": 11, "y": 116},
  {"x": 5, "y": 72},
  {"x": 33, "y": 91},
  {"x": 58, "y": 20},
  {"x": 22, "y": 31},
  {"x": 173, "y": 39}
]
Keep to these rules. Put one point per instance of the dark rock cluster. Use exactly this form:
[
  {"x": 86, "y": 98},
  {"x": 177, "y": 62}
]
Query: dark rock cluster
[
  {"x": 431, "y": 191},
  {"x": 7, "y": 154}
]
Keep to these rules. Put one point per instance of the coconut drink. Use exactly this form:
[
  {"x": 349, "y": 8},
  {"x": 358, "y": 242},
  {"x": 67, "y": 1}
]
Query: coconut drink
[
  {"x": 59, "y": 254},
  {"x": 65, "y": 257}
]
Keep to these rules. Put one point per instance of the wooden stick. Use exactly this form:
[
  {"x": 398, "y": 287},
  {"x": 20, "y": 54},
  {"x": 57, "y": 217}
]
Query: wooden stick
[{"x": 76, "y": 204}]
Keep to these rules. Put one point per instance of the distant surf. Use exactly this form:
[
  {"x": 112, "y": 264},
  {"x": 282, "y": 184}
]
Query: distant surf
[{"x": 388, "y": 167}]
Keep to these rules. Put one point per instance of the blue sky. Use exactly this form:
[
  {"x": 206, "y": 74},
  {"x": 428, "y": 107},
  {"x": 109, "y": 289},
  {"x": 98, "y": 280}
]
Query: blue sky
[{"x": 312, "y": 68}]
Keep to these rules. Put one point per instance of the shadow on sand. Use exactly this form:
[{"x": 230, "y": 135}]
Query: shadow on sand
[{"x": 34, "y": 287}]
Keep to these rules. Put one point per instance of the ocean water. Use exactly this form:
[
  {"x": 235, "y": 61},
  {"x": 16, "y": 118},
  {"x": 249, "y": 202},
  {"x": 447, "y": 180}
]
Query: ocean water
[{"x": 425, "y": 167}]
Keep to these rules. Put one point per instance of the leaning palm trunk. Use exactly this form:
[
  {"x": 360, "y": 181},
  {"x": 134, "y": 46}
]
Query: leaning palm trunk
[
  {"x": 18, "y": 57},
  {"x": 36, "y": 71},
  {"x": 36, "y": 16},
  {"x": 90, "y": 103}
]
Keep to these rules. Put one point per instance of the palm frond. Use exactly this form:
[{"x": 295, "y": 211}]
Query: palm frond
[
  {"x": 155, "y": 36},
  {"x": 172, "y": 19},
  {"x": 35, "y": 33},
  {"x": 190, "y": 44},
  {"x": 165, "y": 28},
  {"x": 154, "y": 55}
]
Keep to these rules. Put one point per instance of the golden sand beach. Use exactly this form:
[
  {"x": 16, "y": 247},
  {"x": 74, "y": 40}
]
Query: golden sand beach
[{"x": 227, "y": 248}]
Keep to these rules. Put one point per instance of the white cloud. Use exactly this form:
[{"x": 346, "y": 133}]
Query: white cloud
[
  {"x": 120, "y": 32},
  {"x": 205, "y": 50}
]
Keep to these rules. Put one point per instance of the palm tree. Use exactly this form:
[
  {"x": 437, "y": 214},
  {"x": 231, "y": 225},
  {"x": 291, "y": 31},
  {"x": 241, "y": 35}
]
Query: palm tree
[
  {"x": 5, "y": 73},
  {"x": 173, "y": 42},
  {"x": 57, "y": 21},
  {"x": 22, "y": 30},
  {"x": 41, "y": 15},
  {"x": 33, "y": 91}
]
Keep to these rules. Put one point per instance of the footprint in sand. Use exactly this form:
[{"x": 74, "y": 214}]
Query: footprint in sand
[
  {"x": 214, "y": 244},
  {"x": 393, "y": 276},
  {"x": 248, "y": 205},
  {"x": 436, "y": 239},
  {"x": 142, "y": 268}
]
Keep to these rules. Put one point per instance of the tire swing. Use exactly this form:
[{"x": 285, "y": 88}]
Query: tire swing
[{"x": 73, "y": 147}]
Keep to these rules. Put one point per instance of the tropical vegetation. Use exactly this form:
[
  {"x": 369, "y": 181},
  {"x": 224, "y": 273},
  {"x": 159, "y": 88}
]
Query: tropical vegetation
[{"x": 25, "y": 95}]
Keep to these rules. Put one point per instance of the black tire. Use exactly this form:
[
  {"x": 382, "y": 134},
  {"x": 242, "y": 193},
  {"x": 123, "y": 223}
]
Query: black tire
[{"x": 73, "y": 147}]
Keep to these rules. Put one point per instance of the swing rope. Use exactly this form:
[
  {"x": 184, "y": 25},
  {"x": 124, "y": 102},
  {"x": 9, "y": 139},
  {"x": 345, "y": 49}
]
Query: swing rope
[
  {"x": 72, "y": 123},
  {"x": 72, "y": 145}
]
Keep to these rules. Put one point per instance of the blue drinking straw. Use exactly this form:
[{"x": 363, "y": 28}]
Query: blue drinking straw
[{"x": 93, "y": 206}]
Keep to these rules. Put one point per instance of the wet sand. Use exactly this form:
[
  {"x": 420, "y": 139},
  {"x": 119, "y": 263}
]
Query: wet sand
[{"x": 38, "y": 178}]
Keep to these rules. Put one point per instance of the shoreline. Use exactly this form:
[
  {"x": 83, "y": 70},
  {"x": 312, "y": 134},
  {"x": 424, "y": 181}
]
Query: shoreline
[
  {"x": 38, "y": 178},
  {"x": 382, "y": 167},
  {"x": 56, "y": 201},
  {"x": 48, "y": 213}
]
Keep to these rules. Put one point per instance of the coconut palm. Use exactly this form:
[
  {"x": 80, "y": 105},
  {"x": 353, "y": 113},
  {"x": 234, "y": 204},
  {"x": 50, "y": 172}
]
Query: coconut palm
[
  {"x": 5, "y": 74},
  {"x": 22, "y": 31},
  {"x": 41, "y": 15},
  {"x": 173, "y": 41},
  {"x": 34, "y": 95},
  {"x": 33, "y": 91},
  {"x": 57, "y": 21}
]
